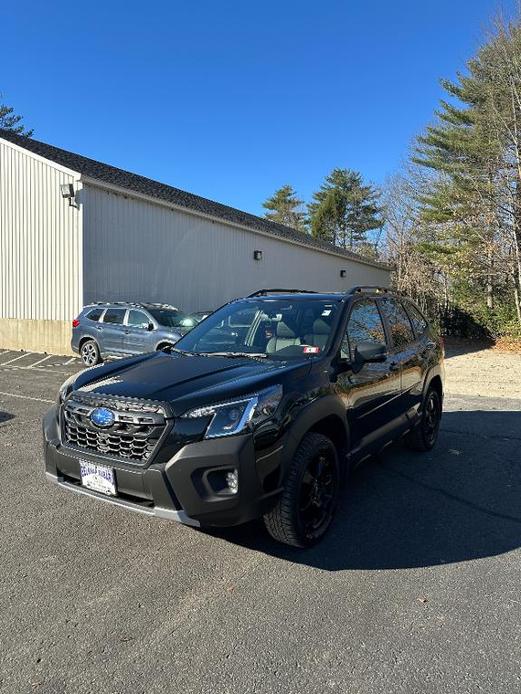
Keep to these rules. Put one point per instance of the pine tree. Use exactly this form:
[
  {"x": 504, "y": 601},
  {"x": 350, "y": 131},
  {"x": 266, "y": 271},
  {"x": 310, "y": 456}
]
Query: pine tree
[
  {"x": 344, "y": 209},
  {"x": 473, "y": 152},
  {"x": 11, "y": 121},
  {"x": 284, "y": 207}
]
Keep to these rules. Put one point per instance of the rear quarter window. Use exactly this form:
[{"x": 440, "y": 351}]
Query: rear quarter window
[
  {"x": 94, "y": 314},
  {"x": 419, "y": 323}
]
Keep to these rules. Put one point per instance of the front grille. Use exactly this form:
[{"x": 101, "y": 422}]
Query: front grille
[{"x": 134, "y": 436}]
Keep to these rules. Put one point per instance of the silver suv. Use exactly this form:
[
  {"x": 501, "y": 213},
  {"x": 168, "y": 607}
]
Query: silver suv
[{"x": 123, "y": 329}]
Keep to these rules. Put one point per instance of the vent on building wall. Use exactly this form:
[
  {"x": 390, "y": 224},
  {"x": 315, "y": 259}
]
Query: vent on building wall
[
  {"x": 257, "y": 255},
  {"x": 343, "y": 273}
]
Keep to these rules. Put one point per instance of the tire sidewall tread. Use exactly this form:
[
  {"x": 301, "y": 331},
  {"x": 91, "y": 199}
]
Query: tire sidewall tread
[{"x": 282, "y": 521}]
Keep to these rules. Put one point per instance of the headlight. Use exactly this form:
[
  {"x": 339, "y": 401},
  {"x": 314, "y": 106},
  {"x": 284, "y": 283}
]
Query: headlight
[
  {"x": 235, "y": 416},
  {"x": 66, "y": 387}
]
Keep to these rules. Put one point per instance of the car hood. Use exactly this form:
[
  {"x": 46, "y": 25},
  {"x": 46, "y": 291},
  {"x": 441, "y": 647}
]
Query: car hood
[{"x": 186, "y": 381}]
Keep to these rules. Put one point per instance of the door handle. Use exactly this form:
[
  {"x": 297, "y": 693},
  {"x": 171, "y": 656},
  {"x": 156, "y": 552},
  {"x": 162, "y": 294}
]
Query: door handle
[
  {"x": 127, "y": 332},
  {"x": 99, "y": 328}
]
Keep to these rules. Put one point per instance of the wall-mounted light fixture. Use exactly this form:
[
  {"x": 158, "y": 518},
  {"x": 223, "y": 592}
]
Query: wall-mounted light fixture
[
  {"x": 257, "y": 255},
  {"x": 67, "y": 192},
  {"x": 343, "y": 273}
]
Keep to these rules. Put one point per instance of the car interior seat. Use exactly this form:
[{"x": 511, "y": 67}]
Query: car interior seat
[
  {"x": 284, "y": 337},
  {"x": 320, "y": 334}
]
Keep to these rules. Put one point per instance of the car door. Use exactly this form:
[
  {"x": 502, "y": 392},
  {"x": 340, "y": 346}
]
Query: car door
[
  {"x": 370, "y": 393},
  {"x": 426, "y": 347},
  {"x": 112, "y": 332},
  {"x": 137, "y": 333},
  {"x": 405, "y": 352}
]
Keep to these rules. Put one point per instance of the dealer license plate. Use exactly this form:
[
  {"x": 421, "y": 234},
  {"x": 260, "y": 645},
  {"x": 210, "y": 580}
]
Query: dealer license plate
[{"x": 98, "y": 478}]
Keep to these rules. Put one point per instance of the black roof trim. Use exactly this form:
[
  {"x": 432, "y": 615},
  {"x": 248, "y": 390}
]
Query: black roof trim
[{"x": 153, "y": 189}]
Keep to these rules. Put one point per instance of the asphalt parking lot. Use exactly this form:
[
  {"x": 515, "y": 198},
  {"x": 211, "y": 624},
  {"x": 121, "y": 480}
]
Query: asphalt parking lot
[{"x": 416, "y": 589}]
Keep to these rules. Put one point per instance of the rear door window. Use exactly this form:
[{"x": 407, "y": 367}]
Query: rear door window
[
  {"x": 115, "y": 316},
  {"x": 401, "y": 330},
  {"x": 364, "y": 325}
]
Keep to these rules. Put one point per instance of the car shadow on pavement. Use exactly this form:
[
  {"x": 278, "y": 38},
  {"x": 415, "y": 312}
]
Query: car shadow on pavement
[
  {"x": 405, "y": 509},
  {"x": 5, "y": 416}
]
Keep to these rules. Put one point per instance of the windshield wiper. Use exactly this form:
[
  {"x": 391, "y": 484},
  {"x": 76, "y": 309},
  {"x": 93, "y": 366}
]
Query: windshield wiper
[
  {"x": 183, "y": 352},
  {"x": 250, "y": 355}
]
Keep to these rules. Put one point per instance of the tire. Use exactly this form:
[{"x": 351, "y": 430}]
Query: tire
[
  {"x": 424, "y": 436},
  {"x": 308, "y": 503},
  {"x": 89, "y": 353},
  {"x": 162, "y": 345}
]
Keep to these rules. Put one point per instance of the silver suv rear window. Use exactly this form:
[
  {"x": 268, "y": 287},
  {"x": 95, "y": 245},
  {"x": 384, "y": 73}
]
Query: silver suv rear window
[{"x": 95, "y": 314}]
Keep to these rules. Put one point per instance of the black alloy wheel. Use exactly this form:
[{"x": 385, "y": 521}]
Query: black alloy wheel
[
  {"x": 425, "y": 434},
  {"x": 318, "y": 492},
  {"x": 308, "y": 502}
]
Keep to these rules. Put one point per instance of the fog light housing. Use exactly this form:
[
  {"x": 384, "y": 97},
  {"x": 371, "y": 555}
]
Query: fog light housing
[{"x": 232, "y": 481}]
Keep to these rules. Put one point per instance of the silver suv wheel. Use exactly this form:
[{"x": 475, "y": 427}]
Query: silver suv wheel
[{"x": 90, "y": 353}]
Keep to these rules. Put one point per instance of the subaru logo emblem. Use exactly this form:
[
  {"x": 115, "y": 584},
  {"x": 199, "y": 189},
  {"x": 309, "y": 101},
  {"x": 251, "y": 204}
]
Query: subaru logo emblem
[{"x": 102, "y": 417}]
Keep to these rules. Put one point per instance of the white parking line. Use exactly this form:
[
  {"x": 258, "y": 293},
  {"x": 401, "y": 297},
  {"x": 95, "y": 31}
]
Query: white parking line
[
  {"x": 70, "y": 361},
  {"x": 25, "y": 397},
  {"x": 46, "y": 368},
  {"x": 25, "y": 354},
  {"x": 40, "y": 361}
]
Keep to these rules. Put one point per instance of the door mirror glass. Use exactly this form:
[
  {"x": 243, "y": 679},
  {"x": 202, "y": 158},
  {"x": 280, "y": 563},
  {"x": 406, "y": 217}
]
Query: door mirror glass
[{"x": 369, "y": 352}]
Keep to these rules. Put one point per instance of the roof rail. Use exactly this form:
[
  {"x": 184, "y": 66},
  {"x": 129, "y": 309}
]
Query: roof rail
[
  {"x": 370, "y": 289},
  {"x": 264, "y": 292},
  {"x": 115, "y": 303},
  {"x": 137, "y": 304}
]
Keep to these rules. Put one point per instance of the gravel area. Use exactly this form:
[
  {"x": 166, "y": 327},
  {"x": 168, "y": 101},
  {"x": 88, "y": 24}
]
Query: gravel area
[{"x": 483, "y": 372}]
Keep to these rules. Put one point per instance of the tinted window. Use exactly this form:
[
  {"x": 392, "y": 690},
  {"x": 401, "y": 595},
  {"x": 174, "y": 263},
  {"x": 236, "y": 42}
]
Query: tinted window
[
  {"x": 137, "y": 319},
  {"x": 418, "y": 321},
  {"x": 168, "y": 317},
  {"x": 242, "y": 319},
  {"x": 114, "y": 316},
  {"x": 399, "y": 323},
  {"x": 95, "y": 314},
  {"x": 365, "y": 325}
]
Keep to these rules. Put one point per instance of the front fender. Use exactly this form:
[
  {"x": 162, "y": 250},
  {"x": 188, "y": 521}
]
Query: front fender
[
  {"x": 167, "y": 340},
  {"x": 313, "y": 413},
  {"x": 436, "y": 370}
]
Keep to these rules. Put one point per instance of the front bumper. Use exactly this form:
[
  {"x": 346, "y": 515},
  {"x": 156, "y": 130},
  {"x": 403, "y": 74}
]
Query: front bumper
[{"x": 185, "y": 488}]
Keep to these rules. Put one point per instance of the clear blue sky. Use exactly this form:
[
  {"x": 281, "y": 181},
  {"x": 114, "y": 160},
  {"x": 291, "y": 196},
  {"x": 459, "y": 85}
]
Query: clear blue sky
[{"x": 233, "y": 99}]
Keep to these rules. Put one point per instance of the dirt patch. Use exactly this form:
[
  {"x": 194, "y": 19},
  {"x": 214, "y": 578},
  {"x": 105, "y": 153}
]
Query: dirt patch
[{"x": 479, "y": 371}]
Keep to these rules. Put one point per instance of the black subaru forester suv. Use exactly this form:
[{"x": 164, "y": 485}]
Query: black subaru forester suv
[{"x": 260, "y": 410}]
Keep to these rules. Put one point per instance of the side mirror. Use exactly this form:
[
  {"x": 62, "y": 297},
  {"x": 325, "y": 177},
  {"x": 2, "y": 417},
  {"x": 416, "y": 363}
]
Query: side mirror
[
  {"x": 369, "y": 353},
  {"x": 150, "y": 327}
]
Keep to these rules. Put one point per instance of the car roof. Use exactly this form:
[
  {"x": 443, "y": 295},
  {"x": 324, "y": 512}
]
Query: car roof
[
  {"x": 371, "y": 290},
  {"x": 297, "y": 296},
  {"x": 128, "y": 304}
]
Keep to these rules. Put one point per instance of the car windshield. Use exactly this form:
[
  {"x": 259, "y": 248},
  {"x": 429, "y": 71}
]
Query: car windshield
[
  {"x": 265, "y": 327},
  {"x": 170, "y": 318}
]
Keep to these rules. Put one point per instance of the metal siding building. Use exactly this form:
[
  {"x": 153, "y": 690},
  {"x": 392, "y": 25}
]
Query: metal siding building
[{"x": 128, "y": 238}]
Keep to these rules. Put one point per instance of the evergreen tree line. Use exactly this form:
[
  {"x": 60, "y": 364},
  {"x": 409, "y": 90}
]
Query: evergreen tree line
[
  {"x": 343, "y": 211},
  {"x": 453, "y": 216}
]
